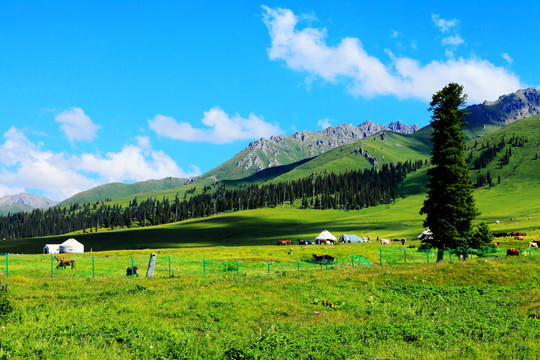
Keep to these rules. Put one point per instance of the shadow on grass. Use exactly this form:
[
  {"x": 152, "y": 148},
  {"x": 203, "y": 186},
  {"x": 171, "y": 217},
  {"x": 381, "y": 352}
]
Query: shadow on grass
[{"x": 230, "y": 230}]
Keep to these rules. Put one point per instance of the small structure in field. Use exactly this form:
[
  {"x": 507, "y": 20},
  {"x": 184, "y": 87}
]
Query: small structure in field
[
  {"x": 71, "y": 246},
  {"x": 346, "y": 238},
  {"x": 51, "y": 249},
  {"x": 325, "y": 237}
]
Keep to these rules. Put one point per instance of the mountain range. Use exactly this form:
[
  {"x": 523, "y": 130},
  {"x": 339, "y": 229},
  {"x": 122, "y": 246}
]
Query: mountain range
[
  {"x": 267, "y": 159},
  {"x": 24, "y": 202}
]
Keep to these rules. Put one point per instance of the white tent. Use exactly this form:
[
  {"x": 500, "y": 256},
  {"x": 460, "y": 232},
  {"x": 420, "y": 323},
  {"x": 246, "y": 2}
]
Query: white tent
[
  {"x": 51, "y": 249},
  {"x": 71, "y": 246},
  {"x": 325, "y": 236},
  {"x": 425, "y": 235}
]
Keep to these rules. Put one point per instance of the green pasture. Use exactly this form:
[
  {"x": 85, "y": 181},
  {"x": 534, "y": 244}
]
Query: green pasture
[{"x": 486, "y": 308}]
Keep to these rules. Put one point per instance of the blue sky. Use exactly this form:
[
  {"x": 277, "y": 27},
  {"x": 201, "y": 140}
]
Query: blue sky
[{"x": 96, "y": 92}]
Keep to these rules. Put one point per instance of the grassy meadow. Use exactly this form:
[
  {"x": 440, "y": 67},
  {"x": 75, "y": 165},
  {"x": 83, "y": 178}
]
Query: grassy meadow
[{"x": 483, "y": 308}]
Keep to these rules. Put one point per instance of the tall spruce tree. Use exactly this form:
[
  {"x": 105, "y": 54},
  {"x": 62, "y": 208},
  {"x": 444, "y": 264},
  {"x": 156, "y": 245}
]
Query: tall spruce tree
[{"x": 450, "y": 207}]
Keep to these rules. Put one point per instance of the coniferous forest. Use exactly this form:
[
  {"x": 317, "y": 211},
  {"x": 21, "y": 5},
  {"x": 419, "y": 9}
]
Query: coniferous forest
[{"x": 348, "y": 191}]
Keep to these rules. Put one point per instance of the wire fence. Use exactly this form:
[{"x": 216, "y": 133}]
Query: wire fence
[
  {"x": 165, "y": 266},
  {"x": 392, "y": 256}
]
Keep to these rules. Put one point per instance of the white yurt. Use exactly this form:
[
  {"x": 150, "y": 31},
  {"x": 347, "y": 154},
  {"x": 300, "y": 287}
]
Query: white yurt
[
  {"x": 51, "y": 249},
  {"x": 71, "y": 246},
  {"x": 325, "y": 236}
]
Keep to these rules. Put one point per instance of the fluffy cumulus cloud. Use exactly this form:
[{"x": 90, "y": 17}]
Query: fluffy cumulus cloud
[
  {"x": 306, "y": 49},
  {"x": 220, "y": 128},
  {"x": 25, "y": 165},
  {"x": 77, "y": 125}
]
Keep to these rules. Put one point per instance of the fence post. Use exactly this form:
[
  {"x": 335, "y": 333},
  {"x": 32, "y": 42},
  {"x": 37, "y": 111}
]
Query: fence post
[
  {"x": 380, "y": 256},
  {"x": 7, "y": 267},
  {"x": 237, "y": 266},
  {"x": 326, "y": 264},
  {"x": 404, "y": 255},
  {"x": 51, "y": 265},
  {"x": 93, "y": 271},
  {"x": 352, "y": 262},
  {"x": 298, "y": 265},
  {"x": 132, "y": 272},
  {"x": 204, "y": 266},
  {"x": 169, "y": 266},
  {"x": 268, "y": 267}
]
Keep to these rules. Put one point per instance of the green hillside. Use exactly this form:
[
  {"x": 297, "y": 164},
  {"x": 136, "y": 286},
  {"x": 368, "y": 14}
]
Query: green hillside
[
  {"x": 120, "y": 190},
  {"x": 382, "y": 148}
]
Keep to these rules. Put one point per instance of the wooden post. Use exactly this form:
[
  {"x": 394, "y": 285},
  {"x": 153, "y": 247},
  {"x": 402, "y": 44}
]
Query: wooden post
[
  {"x": 204, "y": 266},
  {"x": 298, "y": 265},
  {"x": 151, "y": 266}
]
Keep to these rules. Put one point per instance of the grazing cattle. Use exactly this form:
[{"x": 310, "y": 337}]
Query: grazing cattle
[
  {"x": 301, "y": 242},
  {"x": 495, "y": 243},
  {"x": 63, "y": 262},
  {"x": 403, "y": 241},
  {"x": 512, "y": 252},
  {"x": 320, "y": 258},
  {"x": 533, "y": 244},
  {"x": 282, "y": 242},
  {"x": 385, "y": 242},
  {"x": 518, "y": 237},
  {"x": 132, "y": 271},
  {"x": 537, "y": 242}
]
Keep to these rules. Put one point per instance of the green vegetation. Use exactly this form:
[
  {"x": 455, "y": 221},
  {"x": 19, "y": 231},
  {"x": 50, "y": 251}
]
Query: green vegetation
[
  {"x": 475, "y": 309},
  {"x": 450, "y": 207}
]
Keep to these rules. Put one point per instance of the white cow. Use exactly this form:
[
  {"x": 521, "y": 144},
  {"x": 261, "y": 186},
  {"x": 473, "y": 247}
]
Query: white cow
[
  {"x": 386, "y": 242},
  {"x": 533, "y": 245}
]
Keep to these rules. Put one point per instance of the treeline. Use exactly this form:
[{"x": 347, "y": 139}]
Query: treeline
[
  {"x": 348, "y": 191},
  {"x": 489, "y": 152}
]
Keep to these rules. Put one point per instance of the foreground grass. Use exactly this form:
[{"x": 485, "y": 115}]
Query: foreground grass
[{"x": 478, "y": 309}]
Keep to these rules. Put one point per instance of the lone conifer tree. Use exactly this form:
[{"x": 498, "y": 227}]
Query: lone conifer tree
[{"x": 450, "y": 206}]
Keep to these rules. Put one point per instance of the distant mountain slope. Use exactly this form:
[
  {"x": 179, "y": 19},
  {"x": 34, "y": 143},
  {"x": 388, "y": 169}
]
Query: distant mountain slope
[
  {"x": 119, "y": 190},
  {"x": 284, "y": 150},
  {"x": 24, "y": 202},
  {"x": 491, "y": 115}
]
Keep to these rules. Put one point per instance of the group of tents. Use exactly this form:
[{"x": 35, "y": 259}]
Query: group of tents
[{"x": 326, "y": 237}]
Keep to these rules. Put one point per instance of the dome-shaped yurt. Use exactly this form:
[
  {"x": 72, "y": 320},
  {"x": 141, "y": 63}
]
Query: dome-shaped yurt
[{"x": 71, "y": 246}]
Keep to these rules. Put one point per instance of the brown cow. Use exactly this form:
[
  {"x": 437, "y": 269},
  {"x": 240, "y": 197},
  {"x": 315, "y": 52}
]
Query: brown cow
[
  {"x": 282, "y": 242},
  {"x": 63, "y": 262},
  {"x": 495, "y": 243},
  {"x": 512, "y": 252}
]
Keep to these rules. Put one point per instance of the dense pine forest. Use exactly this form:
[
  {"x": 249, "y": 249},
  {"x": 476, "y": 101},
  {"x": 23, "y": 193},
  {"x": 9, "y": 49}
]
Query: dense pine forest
[{"x": 348, "y": 191}]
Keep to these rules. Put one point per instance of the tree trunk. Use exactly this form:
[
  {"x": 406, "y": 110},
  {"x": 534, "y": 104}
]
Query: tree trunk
[{"x": 440, "y": 255}]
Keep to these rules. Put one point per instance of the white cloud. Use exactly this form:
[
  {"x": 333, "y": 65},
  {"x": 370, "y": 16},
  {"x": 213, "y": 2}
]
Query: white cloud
[
  {"x": 134, "y": 162},
  {"x": 453, "y": 40},
  {"x": 307, "y": 50},
  {"x": 220, "y": 128},
  {"x": 508, "y": 58},
  {"x": 443, "y": 25},
  {"x": 24, "y": 165},
  {"x": 324, "y": 123},
  {"x": 77, "y": 125}
]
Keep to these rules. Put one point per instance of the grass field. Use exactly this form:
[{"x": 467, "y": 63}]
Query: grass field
[{"x": 485, "y": 309}]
